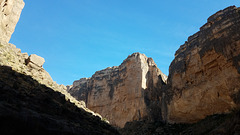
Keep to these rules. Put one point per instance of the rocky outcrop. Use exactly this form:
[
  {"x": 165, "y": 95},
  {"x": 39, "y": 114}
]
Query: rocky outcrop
[
  {"x": 27, "y": 107},
  {"x": 123, "y": 93},
  {"x": 204, "y": 77},
  {"x": 33, "y": 66},
  {"x": 30, "y": 101},
  {"x": 35, "y": 60},
  {"x": 29, "y": 65},
  {"x": 10, "y": 11}
]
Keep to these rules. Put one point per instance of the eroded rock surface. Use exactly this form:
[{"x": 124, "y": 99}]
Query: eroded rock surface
[
  {"x": 10, "y": 11},
  {"x": 204, "y": 77},
  {"x": 123, "y": 93},
  {"x": 35, "y": 60}
]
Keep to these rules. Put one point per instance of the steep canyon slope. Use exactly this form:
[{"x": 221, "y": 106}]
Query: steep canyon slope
[
  {"x": 30, "y": 101},
  {"x": 203, "y": 79}
]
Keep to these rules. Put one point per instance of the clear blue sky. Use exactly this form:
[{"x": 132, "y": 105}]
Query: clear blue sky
[{"x": 79, "y": 37}]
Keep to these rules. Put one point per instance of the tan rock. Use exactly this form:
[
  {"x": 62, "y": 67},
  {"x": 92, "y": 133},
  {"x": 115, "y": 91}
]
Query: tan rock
[
  {"x": 36, "y": 60},
  {"x": 10, "y": 11},
  {"x": 121, "y": 94},
  {"x": 204, "y": 77}
]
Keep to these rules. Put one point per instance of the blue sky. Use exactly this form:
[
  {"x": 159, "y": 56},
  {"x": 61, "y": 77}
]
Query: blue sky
[{"x": 79, "y": 37}]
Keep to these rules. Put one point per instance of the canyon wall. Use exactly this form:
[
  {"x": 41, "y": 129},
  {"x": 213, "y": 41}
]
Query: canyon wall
[
  {"x": 123, "y": 93},
  {"x": 204, "y": 77},
  {"x": 10, "y": 11}
]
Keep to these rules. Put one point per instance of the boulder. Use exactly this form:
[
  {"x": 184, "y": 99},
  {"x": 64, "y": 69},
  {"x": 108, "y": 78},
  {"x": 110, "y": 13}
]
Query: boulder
[{"x": 36, "y": 60}]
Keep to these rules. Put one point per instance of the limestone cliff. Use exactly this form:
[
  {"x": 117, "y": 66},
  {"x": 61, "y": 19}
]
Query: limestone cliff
[
  {"x": 204, "y": 77},
  {"x": 10, "y": 11},
  {"x": 124, "y": 93}
]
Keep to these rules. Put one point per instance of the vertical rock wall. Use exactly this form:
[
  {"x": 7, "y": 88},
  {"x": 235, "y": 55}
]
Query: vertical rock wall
[
  {"x": 204, "y": 77},
  {"x": 122, "y": 93},
  {"x": 10, "y": 11}
]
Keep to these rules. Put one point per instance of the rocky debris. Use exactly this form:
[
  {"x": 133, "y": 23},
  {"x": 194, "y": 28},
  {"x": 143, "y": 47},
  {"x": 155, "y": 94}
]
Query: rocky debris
[
  {"x": 123, "y": 93},
  {"x": 28, "y": 107},
  {"x": 218, "y": 124},
  {"x": 10, "y": 11},
  {"x": 204, "y": 77},
  {"x": 12, "y": 57},
  {"x": 35, "y": 60}
]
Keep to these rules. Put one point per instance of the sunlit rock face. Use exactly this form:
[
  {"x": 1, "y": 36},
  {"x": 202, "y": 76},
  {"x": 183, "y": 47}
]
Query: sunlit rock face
[
  {"x": 123, "y": 93},
  {"x": 10, "y": 11},
  {"x": 204, "y": 77}
]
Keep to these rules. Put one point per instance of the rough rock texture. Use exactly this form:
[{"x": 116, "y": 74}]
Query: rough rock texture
[
  {"x": 124, "y": 93},
  {"x": 27, "y": 107},
  {"x": 12, "y": 57},
  {"x": 218, "y": 124},
  {"x": 29, "y": 65},
  {"x": 204, "y": 77},
  {"x": 35, "y": 60},
  {"x": 30, "y": 101},
  {"x": 10, "y": 11}
]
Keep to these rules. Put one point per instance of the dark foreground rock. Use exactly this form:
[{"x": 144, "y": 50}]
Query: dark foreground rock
[
  {"x": 27, "y": 107},
  {"x": 218, "y": 124}
]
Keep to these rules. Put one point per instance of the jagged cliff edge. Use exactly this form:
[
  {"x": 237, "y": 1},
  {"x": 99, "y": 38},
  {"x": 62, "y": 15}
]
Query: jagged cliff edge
[{"x": 203, "y": 79}]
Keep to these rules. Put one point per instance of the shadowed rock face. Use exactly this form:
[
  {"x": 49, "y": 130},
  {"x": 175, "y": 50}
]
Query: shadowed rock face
[
  {"x": 124, "y": 93},
  {"x": 204, "y": 76},
  {"x": 10, "y": 11},
  {"x": 203, "y": 79},
  {"x": 30, "y": 101},
  {"x": 27, "y": 107}
]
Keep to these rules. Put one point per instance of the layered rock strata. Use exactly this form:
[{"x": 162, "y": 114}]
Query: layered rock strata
[
  {"x": 204, "y": 77},
  {"x": 10, "y": 11},
  {"x": 123, "y": 93}
]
